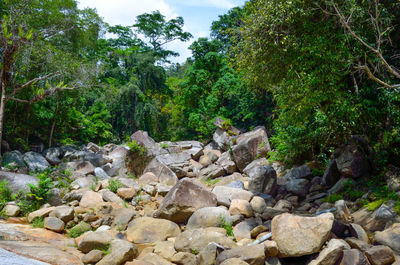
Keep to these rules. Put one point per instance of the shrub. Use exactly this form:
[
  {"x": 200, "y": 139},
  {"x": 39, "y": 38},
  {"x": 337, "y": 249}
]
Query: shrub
[
  {"x": 6, "y": 194},
  {"x": 38, "y": 222},
  {"x": 135, "y": 147},
  {"x": 114, "y": 185}
]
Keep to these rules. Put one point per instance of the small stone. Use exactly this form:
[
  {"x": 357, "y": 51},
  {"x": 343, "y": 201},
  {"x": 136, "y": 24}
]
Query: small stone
[
  {"x": 44, "y": 212},
  {"x": 126, "y": 193},
  {"x": 258, "y": 230},
  {"x": 53, "y": 224},
  {"x": 258, "y": 204},
  {"x": 92, "y": 257},
  {"x": 380, "y": 255},
  {"x": 241, "y": 207},
  {"x": 271, "y": 248},
  {"x": 64, "y": 213}
]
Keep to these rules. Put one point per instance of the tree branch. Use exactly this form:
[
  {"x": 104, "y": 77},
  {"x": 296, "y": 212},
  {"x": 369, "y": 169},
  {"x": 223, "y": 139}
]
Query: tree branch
[{"x": 47, "y": 93}]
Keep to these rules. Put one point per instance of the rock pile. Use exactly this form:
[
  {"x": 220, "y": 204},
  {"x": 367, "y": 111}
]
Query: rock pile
[{"x": 186, "y": 203}]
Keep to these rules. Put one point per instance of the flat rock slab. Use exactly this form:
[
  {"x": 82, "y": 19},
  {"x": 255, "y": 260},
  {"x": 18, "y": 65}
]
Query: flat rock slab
[{"x": 7, "y": 257}]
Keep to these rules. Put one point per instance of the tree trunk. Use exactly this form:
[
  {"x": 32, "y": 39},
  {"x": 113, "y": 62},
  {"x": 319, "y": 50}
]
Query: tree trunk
[
  {"x": 53, "y": 125},
  {"x": 2, "y": 105}
]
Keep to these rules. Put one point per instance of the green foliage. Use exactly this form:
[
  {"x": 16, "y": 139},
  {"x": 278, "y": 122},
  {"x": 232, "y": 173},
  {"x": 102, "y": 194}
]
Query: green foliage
[
  {"x": 333, "y": 198},
  {"x": 136, "y": 148},
  {"x": 226, "y": 225},
  {"x": 38, "y": 222},
  {"x": 6, "y": 194},
  {"x": 210, "y": 182},
  {"x": 105, "y": 250},
  {"x": 114, "y": 185},
  {"x": 194, "y": 251},
  {"x": 372, "y": 206}
]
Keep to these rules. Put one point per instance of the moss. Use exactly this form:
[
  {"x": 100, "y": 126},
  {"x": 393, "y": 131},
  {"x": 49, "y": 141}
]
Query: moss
[
  {"x": 79, "y": 229},
  {"x": 372, "y": 206}
]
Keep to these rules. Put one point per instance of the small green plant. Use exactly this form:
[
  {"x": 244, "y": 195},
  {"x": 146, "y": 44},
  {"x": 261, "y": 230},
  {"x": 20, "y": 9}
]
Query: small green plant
[
  {"x": 6, "y": 194},
  {"x": 125, "y": 204},
  {"x": 37, "y": 194},
  {"x": 226, "y": 225},
  {"x": 194, "y": 251},
  {"x": 164, "y": 145},
  {"x": 333, "y": 198},
  {"x": 132, "y": 176},
  {"x": 136, "y": 148},
  {"x": 372, "y": 206},
  {"x": 114, "y": 185},
  {"x": 106, "y": 249},
  {"x": 210, "y": 182},
  {"x": 12, "y": 166},
  {"x": 79, "y": 229},
  {"x": 317, "y": 172},
  {"x": 93, "y": 187},
  {"x": 38, "y": 222}
]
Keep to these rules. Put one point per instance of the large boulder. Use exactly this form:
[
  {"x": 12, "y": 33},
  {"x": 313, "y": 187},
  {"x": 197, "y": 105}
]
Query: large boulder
[
  {"x": 331, "y": 174},
  {"x": 184, "y": 199},
  {"x": 253, "y": 255},
  {"x": 199, "y": 238},
  {"x": 53, "y": 155},
  {"x": 121, "y": 251},
  {"x": 298, "y": 186},
  {"x": 85, "y": 168},
  {"x": 262, "y": 179},
  {"x": 298, "y": 236},
  {"x": 18, "y": 181},
  {"x": 226, "y": 194},
  {"x": 226, "y": 162},
  {"x": 94, "y": 240},
  {"x": 209, "y": 217},
  {"x": 300, "y": 172},
  {"x": 35, "y": 161},
  {"x": 331, "y": 254},
  {"x": 352, "y": 161},
  {"x": 13, "y": 157},
  {"x": 222, "y": 139},
  {"x": 390, "y": 237},
  {"x": 90, "y": 199},
  {"x": 249, "y": 145},
  {"x": 147, "y": 230},
  {"x": 163, "y": 173}
]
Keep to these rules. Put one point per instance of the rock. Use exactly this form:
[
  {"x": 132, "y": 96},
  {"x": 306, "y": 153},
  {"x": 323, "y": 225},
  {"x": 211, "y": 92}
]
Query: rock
[
  {"x": 393, "y": 178},
  {"x": 100, "y": 173},
  {"x": 331, "y": 174},
  {"x": 358, "y": 244},
  {"x": 226, "y": 162},
  {"x": 242, "y": 207},
  {"x": 342, "y": 213},
  {"x": 54, "y": 197},
  {"x": 253, "y": 255},
  {"x": 298, "y": 186},
  {"x": 121, "y": 251},
  {"x": 90, "y": 199},
  {"x": 390, "y": 237},
  {"x": 154, "y": 259},
  {"x": 184, "y": 199},
  {"x": 248, "y": 146},
  {"x": 205, "y": 161},
  {"x": 358, "y": 232},
  {"x": 92, "y": 257},
  {"x": 53, "y": 224},
  {"x": 351, "y": 161},
  {"x": 297, "y": 236},
  {"x": 126, "y": 193},
  {"x": 16, "y": 181},
  {"x": 234, "y": 261},
  {"x": 208, "y": 217},
  {"x": 340, "y": 185},
  {"x": 64, "y": 213},
  {"x": 225, "y": 195},
  {"x": 44, "y": 212},
  {"x": 94, "y": 240},
  {"x": 353, "y": 257},
  {"x": 262, "y": 179},
  {"x": 85, "y": 168},
  {"x": 208, "y": 254},
  {"x": 243, "y": 229},
  {"x": 211, "y": 172},
  {"x": 150, "y": 230},
  {"x": 53, "y": 155},
  {"x": 302, "y": 172},
  {"x": 331, "y": 254},
  {"x": 122, "y": 216},
  {"x": 147, "y": 178},
  {"x": 83, "y": 183},
  {"x": 94, "y": 148},
  {"x": 11, "y": 210},
  {"x": 35, "y": 161},
  {"x": 222, "y": 139},
  {"x": 165, "y": 249},
  {"x": 184, "y": 258},
  {"x": 13, "y": 157},
  {"x": 367, "y": 220},
  {"x": 271, "y": 248},
  {"x": 258, "y": 204},
  {"x": 110, "y": 196},
  {"x": 283, "y": 205},
  {"x": 163, "y": 173},
  {"x": 380, "y": 255},
  {"x": 199, "y": 238}
]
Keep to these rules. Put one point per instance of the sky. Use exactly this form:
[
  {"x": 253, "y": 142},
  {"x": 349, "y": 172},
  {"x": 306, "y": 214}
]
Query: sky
[{"x": 197, "y": 14}]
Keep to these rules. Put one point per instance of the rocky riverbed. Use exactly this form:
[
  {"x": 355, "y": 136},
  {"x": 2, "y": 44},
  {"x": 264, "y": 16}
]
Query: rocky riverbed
[{"x": 188, "y": 203}]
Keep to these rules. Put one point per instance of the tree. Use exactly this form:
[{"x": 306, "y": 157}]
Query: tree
[{"x": 159, "y": 32}]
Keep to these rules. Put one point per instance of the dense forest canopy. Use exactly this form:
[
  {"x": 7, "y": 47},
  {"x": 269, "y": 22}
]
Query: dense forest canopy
[{"x": 312, "y": 72}]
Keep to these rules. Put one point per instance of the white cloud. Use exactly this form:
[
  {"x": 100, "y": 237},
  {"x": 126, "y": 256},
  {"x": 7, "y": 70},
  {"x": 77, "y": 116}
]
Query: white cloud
[{"x": 225, "y": 4}]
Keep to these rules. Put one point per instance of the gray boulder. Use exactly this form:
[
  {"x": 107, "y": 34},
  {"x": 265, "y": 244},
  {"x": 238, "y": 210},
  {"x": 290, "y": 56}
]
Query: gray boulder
[
  {"x": 18, "y": 181},
  {"x": 262, "y": 179},
  {"x": 35, "y": 161},
  {"x": 53, "y": 155},
  {"x": 13, "y": 157}
]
